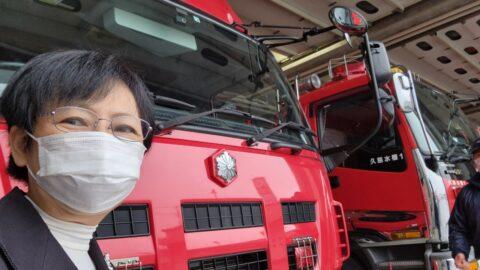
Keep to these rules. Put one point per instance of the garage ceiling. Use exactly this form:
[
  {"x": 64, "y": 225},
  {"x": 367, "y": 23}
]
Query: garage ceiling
[
  {"x": 448, "y": 58},
  {"x": 308, "y": 13},
  {"x": 437, "y": 39}
]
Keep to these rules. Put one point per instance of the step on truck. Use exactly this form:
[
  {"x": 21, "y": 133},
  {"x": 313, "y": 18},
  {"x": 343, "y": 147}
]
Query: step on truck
[
  {"x": 234, "y": 179},
  {"x": 397, "y": 189}
]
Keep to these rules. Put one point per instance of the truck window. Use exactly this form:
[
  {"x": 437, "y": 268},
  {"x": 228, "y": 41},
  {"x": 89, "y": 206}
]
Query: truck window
[
  {"x": 345, "y": 123},
  {"x": 449, "y": 129},
  {"x": 383, "y": 152}
]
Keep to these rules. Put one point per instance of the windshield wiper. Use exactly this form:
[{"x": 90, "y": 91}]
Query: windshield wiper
[
  {"x": 268, "y": 132},
  {"x": 452, "y": 156},
  {"x": 170, "y": 124},
  {"x": 458, "y": 158},
  {"x": 171, "y": 102}
]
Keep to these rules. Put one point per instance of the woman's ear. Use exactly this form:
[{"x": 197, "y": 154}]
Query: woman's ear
[{"x": 18, "y": 145}]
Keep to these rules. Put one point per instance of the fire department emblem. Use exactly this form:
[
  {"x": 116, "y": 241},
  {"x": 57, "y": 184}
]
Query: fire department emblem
[
  {"x": 222, "y": 168},
  {"x": 226, "y": 167}
]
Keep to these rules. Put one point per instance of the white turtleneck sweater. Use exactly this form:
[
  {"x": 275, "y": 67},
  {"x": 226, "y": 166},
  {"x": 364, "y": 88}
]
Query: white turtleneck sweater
[{"x": 73, "y": 237}]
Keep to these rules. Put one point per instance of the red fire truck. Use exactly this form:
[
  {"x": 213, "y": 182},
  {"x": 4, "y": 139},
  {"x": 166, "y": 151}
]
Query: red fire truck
[
  {"x": 234, "y": 179},
  {"x": 398, "y": 188}
]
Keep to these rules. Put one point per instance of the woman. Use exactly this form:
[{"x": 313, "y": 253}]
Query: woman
[{"x": 79, "y": 125}]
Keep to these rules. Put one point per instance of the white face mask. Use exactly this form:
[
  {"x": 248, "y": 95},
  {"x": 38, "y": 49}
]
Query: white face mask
[{"x": 90, "y": 172}]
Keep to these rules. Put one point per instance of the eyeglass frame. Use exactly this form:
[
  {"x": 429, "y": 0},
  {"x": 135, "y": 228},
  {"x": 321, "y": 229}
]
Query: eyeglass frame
[{"x": 150, "y": 128}]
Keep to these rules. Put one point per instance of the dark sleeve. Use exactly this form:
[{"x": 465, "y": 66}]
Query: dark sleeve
[
  {"x": 4, "y": 265},
  {"x": 458, "y": 226}
]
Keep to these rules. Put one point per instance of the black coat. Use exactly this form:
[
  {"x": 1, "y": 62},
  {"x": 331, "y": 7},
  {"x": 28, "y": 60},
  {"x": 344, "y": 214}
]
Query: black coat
[
  {"x": 464, "y": 224},
  {"x": 26, "y": 241}
]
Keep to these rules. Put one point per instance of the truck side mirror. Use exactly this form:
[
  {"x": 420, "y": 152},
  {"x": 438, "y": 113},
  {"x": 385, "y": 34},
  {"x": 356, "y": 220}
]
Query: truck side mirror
[
  {"x": 403, "y": 92},
  {"x": 381, "y": 62},
  {"x": 348, "y": 21}
]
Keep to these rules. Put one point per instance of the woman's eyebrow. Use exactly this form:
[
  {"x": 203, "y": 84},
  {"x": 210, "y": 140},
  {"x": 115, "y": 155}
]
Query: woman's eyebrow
[
  {"x": 123, "y": 114},
  {"x": 85, "y": 105}
]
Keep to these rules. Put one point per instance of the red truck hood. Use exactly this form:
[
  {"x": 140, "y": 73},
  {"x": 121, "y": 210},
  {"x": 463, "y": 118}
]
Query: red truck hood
[{"x": 177, "y": 170}]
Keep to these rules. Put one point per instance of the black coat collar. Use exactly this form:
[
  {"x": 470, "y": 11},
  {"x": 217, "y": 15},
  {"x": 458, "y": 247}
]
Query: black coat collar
[
  {"x": 475, "y": 180},
  {"x": 27, "y": 242}
]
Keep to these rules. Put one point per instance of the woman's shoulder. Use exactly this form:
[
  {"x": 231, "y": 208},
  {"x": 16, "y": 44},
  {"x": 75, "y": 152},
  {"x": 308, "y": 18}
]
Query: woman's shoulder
[
  {"x": 25, "y": 240},
  {"x": 12, "y": 201},
  {"x": 4, "y": 264},
  {"x": 14, "y": 211}
]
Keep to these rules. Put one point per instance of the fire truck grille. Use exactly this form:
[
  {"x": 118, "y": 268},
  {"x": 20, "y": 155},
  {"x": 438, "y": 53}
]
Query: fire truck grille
[
  {"x": 124, "y": 221},
  {"x": 302, "y": 254},
  {"x": 208, "y": 217},
  {"x": 245, "y": 261},
  {"x": 298, "y": 212}
]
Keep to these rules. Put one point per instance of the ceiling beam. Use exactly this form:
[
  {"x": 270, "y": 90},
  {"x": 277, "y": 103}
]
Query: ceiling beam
[
  {"x": 398, "y": 6},
  {"x": 471, "y": 110},
  {"x": 396, "y": 28},
  {"x": 301, "y": 12},
  {"x": 445, "y": 14}
]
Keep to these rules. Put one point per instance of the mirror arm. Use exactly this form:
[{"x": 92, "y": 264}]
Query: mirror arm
[
  {"x": 317, "y": 31},
  {"x": 274, "y": 37},
  {"x": 368, "y": 52}
]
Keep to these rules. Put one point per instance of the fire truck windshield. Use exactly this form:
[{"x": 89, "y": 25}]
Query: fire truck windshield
[
  {"x": 448, "y": 126},
  {"x": 190, "y": 62},
  {"x": 449, "y": 130}
]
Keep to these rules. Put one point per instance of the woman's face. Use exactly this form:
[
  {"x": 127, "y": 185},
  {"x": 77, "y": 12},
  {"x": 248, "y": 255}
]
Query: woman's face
[
  {"x": 476, "y": 161},
  {"x": 119, "y": 101}
]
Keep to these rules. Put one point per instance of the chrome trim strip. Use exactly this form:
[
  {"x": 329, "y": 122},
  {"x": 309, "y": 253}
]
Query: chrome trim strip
[
  {"x": 394, "y": 243},
  {"x": 436, "y": 194}
]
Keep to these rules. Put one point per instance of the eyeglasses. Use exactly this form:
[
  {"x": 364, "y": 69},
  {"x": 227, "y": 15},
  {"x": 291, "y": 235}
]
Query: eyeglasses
[{"x": 124, "y": 127}]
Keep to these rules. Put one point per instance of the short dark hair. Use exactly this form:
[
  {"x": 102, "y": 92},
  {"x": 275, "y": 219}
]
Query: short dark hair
[
  {"x": 62, "y": 78},
  {"x": 475, "y": 147}
]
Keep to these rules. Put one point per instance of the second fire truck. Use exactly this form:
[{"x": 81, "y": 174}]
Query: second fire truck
[{"x": 399, "y": 187}]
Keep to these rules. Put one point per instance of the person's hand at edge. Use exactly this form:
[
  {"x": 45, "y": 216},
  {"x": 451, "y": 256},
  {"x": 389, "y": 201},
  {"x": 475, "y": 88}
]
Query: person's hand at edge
[{"x": 461, "y": 262}]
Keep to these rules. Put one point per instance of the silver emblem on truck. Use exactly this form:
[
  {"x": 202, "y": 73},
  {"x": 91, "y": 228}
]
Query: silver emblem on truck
[{"x": 226, "y": 166}]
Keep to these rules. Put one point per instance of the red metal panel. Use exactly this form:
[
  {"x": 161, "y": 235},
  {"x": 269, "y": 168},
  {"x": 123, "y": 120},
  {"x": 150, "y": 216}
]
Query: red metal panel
[
  {"x": 219, "y": 9},
  {"x": 453, "y": 188}
]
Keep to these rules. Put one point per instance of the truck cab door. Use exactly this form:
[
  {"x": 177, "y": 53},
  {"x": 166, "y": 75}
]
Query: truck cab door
[{"x": 377, "y": 181}]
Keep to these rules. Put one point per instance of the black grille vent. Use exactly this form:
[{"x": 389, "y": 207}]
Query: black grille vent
[
  {"x": 298, "y": 212},
  {"x": 246, "y": 261},
  {"x": 292, "y": 259},
  {"x": 124, "y": 221},
  {"x": 207, "y": 217}
]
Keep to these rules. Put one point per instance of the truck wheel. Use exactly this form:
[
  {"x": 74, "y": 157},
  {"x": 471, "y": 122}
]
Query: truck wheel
[{"x": 353, "y": 264}]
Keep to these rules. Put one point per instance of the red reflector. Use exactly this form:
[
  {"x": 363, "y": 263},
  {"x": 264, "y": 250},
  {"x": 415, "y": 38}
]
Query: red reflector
[
  {"x": 304, "y": 257},
  {"x": 356, "y": 19}
]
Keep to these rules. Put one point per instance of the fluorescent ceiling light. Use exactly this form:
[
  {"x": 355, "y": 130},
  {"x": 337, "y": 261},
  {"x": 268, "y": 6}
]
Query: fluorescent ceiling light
[
  {"x": 279, "y": 56},
  {"x": 314, "y": 55}
]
